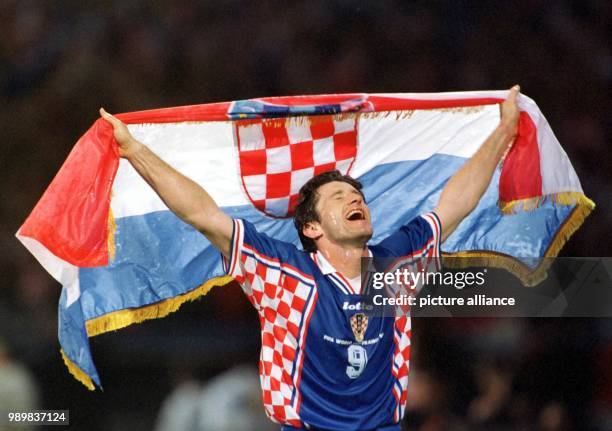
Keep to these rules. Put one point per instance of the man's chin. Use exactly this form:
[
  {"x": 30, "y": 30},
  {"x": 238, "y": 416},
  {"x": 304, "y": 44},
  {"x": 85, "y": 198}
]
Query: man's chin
[
  {"x": 356, "y": 234},
  {"x": 364, "y": 236}
]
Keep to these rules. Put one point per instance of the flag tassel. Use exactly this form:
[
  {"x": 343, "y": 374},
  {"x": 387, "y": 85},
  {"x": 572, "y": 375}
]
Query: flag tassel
[
  {"x": 78, "y": 374},
  {"x": 126, "y": 317},
  {"x": 530, "y": 204},
  {"x": 529, "y": 276}
]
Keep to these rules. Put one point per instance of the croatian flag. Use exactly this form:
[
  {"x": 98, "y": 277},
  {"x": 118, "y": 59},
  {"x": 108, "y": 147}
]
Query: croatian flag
[{"x": 123, "y": 257}]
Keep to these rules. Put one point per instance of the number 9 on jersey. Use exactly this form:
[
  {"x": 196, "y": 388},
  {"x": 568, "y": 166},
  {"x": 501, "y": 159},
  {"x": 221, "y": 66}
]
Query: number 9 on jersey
[{"x": 357, "y": 359}]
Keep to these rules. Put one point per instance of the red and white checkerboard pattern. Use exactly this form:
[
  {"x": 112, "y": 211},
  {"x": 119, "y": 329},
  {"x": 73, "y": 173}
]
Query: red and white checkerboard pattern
[
  {"x": 401, "y": 359},
  {"x": 284, "y": 299},
  {"x": 277, "y": 156},
  {"x": 422, "y": 260}
]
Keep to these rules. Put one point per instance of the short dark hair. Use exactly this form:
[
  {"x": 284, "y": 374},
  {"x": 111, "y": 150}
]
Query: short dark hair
[{"x": 305, "y": 211}]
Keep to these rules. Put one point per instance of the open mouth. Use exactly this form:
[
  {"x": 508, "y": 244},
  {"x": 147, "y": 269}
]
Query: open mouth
[{"x": 355, "y": 214}]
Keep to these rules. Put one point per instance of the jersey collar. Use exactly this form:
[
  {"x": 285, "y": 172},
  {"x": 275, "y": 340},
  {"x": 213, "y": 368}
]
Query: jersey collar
[{"x": 324, "y": 265}]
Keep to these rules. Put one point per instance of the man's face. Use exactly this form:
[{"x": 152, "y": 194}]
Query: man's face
[{"x": 345, "y": 218}]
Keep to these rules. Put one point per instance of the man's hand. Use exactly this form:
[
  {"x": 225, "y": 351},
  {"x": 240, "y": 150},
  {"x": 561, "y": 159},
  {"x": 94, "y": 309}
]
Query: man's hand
[
  {"x": 510, "y": 111},
  {"x": 182, "y": 196},
  {"x": 125, "y": 141},
  {"x": 464, "y": 190}
]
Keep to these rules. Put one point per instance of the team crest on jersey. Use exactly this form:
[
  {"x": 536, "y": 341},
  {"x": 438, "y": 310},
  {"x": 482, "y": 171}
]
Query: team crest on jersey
[
  {"x": 278, "y": 155},
  {"x": 359, "y": 324}
]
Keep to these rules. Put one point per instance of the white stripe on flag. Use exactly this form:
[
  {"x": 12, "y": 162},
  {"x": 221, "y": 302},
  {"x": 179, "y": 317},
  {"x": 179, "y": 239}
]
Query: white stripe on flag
[
  {"x": 423, "y": 134},
  {"x": 205, "y": 152},
  {"x": 64, "y": 272}
]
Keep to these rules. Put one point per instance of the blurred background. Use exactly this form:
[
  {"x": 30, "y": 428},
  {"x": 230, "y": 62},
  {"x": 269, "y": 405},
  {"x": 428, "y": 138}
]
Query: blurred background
[{"x": 196, "y": 370}]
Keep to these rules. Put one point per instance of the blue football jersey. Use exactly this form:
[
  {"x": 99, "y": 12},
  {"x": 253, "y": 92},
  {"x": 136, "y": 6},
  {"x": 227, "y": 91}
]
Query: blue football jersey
[{"x": 324, "y": 364}]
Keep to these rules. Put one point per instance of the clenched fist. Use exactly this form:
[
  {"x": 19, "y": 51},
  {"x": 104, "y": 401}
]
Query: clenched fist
[{"x": 126, "y": 142}]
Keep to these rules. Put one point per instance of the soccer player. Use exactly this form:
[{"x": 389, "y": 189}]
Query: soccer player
[{"x": 323, "y": 363}]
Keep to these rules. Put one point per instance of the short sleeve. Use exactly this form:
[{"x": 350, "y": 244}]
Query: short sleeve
[
  {"x": 418, "y": 238},
  {"x": 255, "y": 262}
]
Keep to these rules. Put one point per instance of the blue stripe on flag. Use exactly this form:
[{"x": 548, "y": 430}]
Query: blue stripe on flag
[{"x": 73, "y": 337}]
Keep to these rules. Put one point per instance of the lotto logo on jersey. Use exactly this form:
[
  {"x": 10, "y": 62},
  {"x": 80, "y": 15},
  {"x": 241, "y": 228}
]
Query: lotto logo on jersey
[
  {"x": 277, "y": 156},
  {"x": 357, "y": 307}
]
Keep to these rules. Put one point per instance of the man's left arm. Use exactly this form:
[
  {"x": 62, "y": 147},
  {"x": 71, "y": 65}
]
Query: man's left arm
[{"x": 464, "y": 190}]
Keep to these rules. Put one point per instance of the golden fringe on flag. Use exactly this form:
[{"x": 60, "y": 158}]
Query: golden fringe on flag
[
  {"x": 122, "y": 318},
  {"x": 112, "y": 227},
  {"x": 529, "y": 276},
  {"x": 529, "y": 204},
  {"x": 78, "y": 374}
]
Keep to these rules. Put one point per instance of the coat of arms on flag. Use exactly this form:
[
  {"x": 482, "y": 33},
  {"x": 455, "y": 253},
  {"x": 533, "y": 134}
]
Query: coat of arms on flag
[{"x": 277, "y": 156}]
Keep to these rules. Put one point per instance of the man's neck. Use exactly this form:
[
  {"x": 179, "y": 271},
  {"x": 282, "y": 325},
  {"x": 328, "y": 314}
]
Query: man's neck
[{"x": 346, "y": 260}]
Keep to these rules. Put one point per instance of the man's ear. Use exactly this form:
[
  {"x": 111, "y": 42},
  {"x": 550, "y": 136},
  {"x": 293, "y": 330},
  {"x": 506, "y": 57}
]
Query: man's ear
[{"x": 312, "y": 230}]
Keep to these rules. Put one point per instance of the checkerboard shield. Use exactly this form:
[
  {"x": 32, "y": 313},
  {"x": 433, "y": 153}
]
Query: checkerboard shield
[
  {"x": 359, "y": 325},
  {"x": 277, "y": 156}
]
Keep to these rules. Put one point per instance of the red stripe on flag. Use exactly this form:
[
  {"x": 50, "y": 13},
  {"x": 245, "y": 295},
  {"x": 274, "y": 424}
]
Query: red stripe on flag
[
  {"x": 71, "y": 218},
  {"x": 205, "y": 112},
  {"x": 521, "y": 177},
  {"x": 384, "y": 103},
  {"x": 218, "y": 111}
]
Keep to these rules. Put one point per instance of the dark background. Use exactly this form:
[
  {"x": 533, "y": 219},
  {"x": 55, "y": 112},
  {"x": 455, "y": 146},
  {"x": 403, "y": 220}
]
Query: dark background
[{"x": 61, "y": 60}]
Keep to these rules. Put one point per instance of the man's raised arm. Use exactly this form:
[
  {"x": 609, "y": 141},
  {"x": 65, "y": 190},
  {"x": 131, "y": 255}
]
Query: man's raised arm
[
  {"x": 464, "y": 190},
  {"x": 183, "y": 196}
]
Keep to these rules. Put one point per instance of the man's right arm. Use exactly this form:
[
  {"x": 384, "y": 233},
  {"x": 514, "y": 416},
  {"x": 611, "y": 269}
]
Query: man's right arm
[{"x": 188, "y": 200}]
